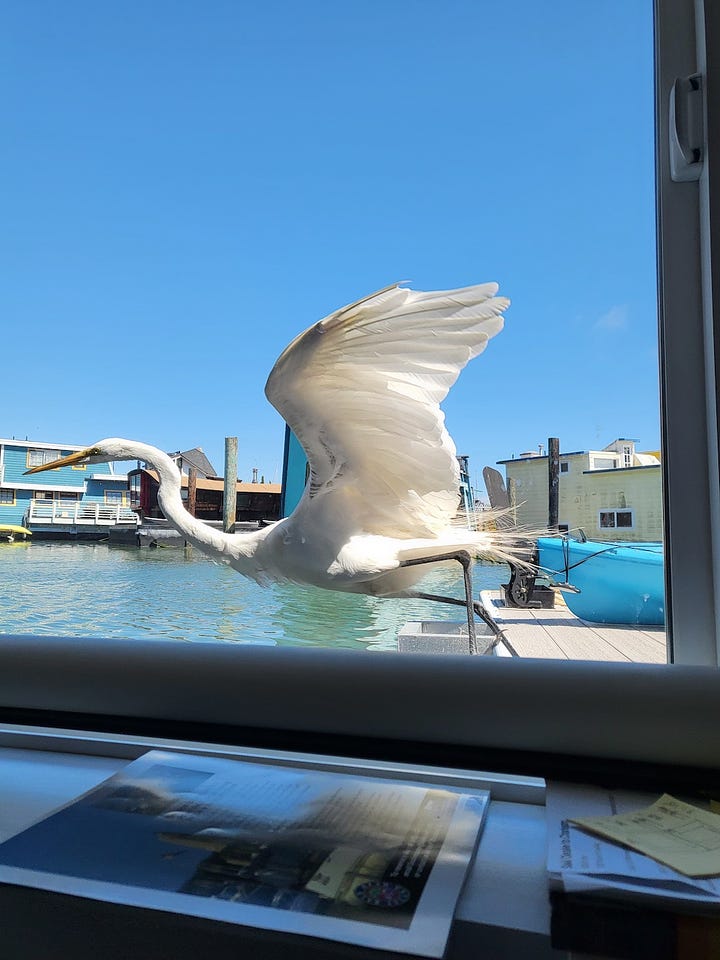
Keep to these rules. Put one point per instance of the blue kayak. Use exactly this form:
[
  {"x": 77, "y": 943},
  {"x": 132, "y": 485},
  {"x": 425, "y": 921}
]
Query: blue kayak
[{"x": 617, "y": 582}]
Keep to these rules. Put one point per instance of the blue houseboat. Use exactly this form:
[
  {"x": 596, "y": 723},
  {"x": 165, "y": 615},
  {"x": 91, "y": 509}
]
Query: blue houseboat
[{"x": 70, "y": 502}]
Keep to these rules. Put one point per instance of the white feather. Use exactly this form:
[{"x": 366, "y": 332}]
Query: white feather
[{"x": 361, "y": 391}]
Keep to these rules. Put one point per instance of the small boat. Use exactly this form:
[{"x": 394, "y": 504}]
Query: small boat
[
  {"x": 11, "y": 533},
  {"x": 608, "y": 582}
]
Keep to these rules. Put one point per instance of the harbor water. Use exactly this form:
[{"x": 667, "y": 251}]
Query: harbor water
[{"x": 98, "y": 590}]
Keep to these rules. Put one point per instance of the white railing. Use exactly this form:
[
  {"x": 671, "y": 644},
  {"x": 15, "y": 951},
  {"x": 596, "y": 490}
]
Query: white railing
[{"x": 80, "y": 512}]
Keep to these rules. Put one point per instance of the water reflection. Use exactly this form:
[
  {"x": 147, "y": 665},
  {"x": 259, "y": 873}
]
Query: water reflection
[{"x": 88, "y": 589}]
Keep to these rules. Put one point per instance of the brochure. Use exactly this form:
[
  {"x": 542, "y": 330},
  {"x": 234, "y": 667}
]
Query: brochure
[{"x": 363, "y": 860}]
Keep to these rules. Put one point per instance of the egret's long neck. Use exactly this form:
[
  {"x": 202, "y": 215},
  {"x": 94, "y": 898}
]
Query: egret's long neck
[{"x": 202, "y": 535}]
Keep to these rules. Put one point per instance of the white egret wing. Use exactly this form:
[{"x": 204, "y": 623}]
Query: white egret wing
[{"x": 361, "y": 390}]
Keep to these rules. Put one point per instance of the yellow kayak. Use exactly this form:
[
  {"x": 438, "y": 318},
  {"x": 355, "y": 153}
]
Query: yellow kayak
[{"x": 11, "y": 532}]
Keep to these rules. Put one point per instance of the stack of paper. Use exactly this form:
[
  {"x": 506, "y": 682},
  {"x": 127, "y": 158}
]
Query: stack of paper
[{"x": 581, "y": 860}]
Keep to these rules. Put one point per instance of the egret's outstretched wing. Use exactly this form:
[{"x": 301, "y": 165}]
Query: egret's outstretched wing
[{"x": 361, "y": 390}]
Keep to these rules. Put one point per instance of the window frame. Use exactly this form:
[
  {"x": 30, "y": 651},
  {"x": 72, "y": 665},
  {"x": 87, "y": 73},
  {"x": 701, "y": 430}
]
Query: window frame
[
  {"x": 12, "y": 492},
  {"x": 615, "y": 525},
  {"x": 688, "y": 237},
  {"x": 480, "y": 710},
  {"x": 45, "y": 456},
  {"x": 603, "y": 462}
]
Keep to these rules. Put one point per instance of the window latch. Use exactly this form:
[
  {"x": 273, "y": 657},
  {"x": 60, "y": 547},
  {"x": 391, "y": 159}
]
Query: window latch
[{"x": 686, "y": 129}]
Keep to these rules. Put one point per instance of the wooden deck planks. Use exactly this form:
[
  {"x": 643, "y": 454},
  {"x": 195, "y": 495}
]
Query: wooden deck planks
[
  {"x": 558, "y": 634},
  {"x": 639, "y": 644}
]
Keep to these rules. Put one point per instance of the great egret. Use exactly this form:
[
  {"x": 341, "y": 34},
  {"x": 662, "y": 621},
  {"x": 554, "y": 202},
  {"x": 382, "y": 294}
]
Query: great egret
[{"x": 361, "y": 389}]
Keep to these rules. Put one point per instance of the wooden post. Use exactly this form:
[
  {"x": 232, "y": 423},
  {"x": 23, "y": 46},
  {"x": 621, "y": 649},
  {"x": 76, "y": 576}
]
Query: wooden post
[
  {"x": 553, "y": 482},
  {"x": 230, "y": 492},
  {"x": 192, "y": 491},
  {"x": 190, "y": 505}
]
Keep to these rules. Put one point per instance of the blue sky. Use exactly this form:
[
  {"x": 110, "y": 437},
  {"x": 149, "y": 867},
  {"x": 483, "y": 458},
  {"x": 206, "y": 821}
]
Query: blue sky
[{"x": 186, "y": 186}]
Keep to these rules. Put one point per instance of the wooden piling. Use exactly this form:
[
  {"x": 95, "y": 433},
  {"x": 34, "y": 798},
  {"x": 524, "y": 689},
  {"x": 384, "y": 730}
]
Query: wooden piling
[
  {"x": 230, "y": 490},
  {"x": 553, "y": 482},
  {"x": 192, "y": 491}
]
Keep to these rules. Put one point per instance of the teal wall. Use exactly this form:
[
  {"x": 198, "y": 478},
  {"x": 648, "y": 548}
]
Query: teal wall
[
  {"x": 14, "y": 513},
  {"x": 294, "y": 473},
  {"x": 15, "y": 461}
]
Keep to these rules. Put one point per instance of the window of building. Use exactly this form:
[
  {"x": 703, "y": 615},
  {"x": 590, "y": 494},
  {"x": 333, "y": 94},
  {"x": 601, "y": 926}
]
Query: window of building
[
  {"x": 564, "y": 466},
  {"x": 7, "y": 497},
  {"x": 38, "y": 458},
  {"x": 616, "y": 518},
  {"x": 603, "y": 463},
  {"x": 134, "y": 489},
  {"x": 116, "y": 496},
  {"x": 55, "y": 495}
]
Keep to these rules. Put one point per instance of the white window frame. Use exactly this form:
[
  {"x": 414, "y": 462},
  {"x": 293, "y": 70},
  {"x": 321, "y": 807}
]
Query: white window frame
[
  {"x": 615, "y": 526},
  {"x": 487, "y": 708},
  {"x": 607, "y": 461},
  {"x": 688, "y": 223},
  {"x": 40, "y": 456}
]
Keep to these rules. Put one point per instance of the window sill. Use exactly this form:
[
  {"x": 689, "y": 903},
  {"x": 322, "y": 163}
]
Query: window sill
[{"x": 504, "y": 904}]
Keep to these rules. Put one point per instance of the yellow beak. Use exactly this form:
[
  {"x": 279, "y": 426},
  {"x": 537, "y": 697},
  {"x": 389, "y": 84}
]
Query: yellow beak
[{"x": 63, "y": 461}]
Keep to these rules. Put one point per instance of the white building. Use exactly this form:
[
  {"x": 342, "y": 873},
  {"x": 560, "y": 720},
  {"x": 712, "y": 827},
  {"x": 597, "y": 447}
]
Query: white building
[{"x": 614, "y": 493}]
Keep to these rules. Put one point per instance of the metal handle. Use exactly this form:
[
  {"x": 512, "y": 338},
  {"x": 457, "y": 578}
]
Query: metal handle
[{"x": 686, "y": 129}]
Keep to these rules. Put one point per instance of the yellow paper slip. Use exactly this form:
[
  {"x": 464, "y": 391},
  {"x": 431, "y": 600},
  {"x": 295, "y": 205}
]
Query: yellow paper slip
[{"x": 674, "y": 833}]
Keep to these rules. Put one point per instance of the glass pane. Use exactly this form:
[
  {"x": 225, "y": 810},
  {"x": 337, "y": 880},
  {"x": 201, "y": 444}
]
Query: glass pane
[{"x": 252, "y": 170}]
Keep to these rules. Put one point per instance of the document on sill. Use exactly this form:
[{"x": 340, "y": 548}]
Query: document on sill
[
  {"x": 676, "y": 833},
  {"x": 365, "y": 860},
  {"x": 580, "y": 861}
]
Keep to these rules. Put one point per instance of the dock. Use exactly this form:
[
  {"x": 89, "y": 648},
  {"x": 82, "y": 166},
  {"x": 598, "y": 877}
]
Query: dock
[
  {"x": 77, "y": 519},
  {"x": 557, "y": 634}
]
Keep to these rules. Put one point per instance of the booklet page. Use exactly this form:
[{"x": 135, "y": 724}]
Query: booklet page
[{"x": 358, "y": 859}]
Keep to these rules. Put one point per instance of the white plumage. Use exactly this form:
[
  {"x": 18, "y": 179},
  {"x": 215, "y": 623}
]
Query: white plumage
[{"x": 361, "y": 389}]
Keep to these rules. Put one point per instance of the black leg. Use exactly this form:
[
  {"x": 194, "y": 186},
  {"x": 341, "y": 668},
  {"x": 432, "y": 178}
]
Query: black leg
[
  {"x": 464, "y": 559},
  {"x": 477, "y": 607}
]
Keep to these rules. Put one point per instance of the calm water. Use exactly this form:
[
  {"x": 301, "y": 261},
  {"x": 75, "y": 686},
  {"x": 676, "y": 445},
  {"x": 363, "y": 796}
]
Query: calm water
[{"x": 88, "y": 589}]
